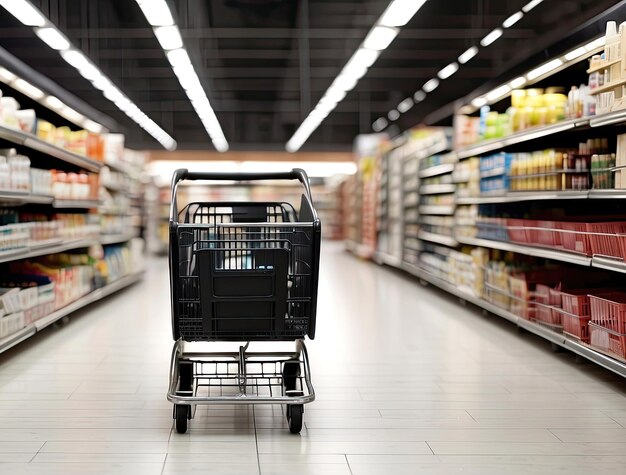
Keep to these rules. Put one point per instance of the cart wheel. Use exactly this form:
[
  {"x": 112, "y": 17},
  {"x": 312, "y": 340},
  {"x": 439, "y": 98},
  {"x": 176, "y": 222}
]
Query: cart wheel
[
  {"x": 295, "y": 416},
  {"x": 181, "y": 413},
  {"x": 291, "y": 372}
]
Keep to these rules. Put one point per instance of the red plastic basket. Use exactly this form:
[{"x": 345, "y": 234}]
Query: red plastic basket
[
  {"x": 609, "y": 310},
  {"x": 576, "y": 302},
  {"x": 574, "y": 325},
  {"x": 546, "y": 315},
  {"x": 574, "y": 237},
  {"x": 607, "y": 238},
  {"x": 608, "y": 341},
  {"x": 548, "y": 295},
  {"x": 547, "y": 235},
  {"x": 517, "y": 230}
]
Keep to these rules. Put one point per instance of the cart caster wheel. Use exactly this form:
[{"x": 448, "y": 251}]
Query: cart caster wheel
[
  {"x": 181, "y": 414},
  {"x": 291, "y": 372},
  {"x": 295, "y": 416}
]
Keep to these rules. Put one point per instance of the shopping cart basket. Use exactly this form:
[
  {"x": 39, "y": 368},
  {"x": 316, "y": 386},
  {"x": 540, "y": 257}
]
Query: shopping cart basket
[{"x": 242, "y": 271}]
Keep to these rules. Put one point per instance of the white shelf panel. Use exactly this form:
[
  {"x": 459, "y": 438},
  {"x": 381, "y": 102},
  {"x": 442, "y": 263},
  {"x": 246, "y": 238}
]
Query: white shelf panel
[
  {"x": 436, "y": 170},
  {"x": 444, "y": 210},
  {"x": 519, "y": 137},
  {"x": 19, "y": 198},
  {"x": 34, "y": 143},
  {"x": 437, "y": 238},
  {"x": 437, "y": 189},
  {"x": 562, "y": 256},
  {"x": 516, "y": 196}
]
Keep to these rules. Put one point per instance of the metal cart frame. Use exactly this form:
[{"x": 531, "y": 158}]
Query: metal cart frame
[{"x": 242, "y": 377}]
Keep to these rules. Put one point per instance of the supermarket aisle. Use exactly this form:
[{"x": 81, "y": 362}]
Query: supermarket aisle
[{"x": 407, "y": 380}]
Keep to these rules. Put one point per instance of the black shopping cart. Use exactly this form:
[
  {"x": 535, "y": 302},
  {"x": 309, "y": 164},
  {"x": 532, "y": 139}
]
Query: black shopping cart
[{"x": 242, "y": 272}]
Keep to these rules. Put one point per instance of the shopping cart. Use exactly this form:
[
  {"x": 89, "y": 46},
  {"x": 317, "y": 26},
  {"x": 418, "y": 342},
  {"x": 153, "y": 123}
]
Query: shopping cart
[{"x": 242, "y": 271}]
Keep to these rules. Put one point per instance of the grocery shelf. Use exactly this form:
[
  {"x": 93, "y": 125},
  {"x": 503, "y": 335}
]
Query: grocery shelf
[
  {"x": 116, "y": 188},
  {"x": 437, "y": 209},
  {"x": 515, "y": 196},
  {"x": 436, "y": 170},
  {"x": 74, "y": 204},
  {"x": 21, "y": 198},
  {"x": 522, "y": 136},
  {"x": 107, "y": 239},
  {"x": 34, "y": 143},
  {"x": 545, "y": 253},
  {"x": 118, "y": 167},
  {"x": 500, "y": 171},
  {"x": 607, "y": 194},
  {"x": 437, "y": 238},
  {"x": 555, "y": 338},
  {"x": 607, "y": 263},
  {"x": 387, "y": 259},
  {"x": 437, "y": 189},
  {"x": 609, "y": 118},
  {"x": 43, "y": 250},
  {"x": 48, "y": 320}
]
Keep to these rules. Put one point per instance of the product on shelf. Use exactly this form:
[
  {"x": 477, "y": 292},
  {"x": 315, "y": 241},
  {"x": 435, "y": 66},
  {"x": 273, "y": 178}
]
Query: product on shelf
[
  {"x": 74, "y": 186},
  {"x": 606, "y": 79}
]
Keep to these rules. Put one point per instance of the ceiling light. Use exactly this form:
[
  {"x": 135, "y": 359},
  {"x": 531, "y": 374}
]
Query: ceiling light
[
  {"x": 6, "y": 75},
  {"x": 498, "y": 92},
  {"x": 512, "y": 20},
  {"x": 530, "y": 5},
  {"x": 24, "y": 12},
  {"x": 74, "y": 58},
  {"x": 178, "y": 57},
  {"x": 448, "y": 71},
  {"x": 431, "y": 85},
  {"x": 354, "y": 70},
  {"x": 393, "y": 115},
  {"x": 479, "y": 102},
  {"x": 53, "y": 38},
  {"x": 575, "y": 53},
  {"x": 405, "y": 105},
  {"x": 344, "y": 82},
  {"x": 92, "y": 126},
  {"x": 90, "y": 72},
  {"x": 101, "y": 83},
  {"x": 399, "y": 12},
  {"x": 517, "y": 82},
  {"x": 28, "y": 89},
  {"x": 419, "y": 96},
  {"x": 363, "y": 57},
  {"x": 380, "y": 124},
  {"x": 156, "y": 12},
  {"x": 380, "y": 37},
  {"x": 491, "y": 37},
  {"x": 468, "y": 54},
  {"x": 54, "y": 103},
  {"x": 71, "y": 115},
  {"x": 334, "y": 94},
  {"x": 595, "y": 44},
  {"x": 169, "y": 37},
  {"x": 544, "y": 68}
]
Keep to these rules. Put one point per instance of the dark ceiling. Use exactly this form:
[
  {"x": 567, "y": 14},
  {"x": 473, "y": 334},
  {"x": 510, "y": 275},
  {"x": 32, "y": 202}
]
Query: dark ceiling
[{"x": 265, "y": 63}]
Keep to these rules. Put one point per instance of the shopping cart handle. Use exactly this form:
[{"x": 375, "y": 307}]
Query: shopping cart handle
[{"x": 184, "y": 174}]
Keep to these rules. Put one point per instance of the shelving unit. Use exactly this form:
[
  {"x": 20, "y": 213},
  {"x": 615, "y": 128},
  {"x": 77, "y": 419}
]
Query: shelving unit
[{"x": 434, "y": 257}]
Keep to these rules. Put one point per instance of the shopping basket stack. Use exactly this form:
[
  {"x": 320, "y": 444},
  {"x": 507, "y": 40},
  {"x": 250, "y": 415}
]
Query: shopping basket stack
[{"x": 242, "y": 271}]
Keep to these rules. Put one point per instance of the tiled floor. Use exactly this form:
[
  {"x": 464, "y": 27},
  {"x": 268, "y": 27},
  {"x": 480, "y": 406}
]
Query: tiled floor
[{"x": 408, "y": 381}]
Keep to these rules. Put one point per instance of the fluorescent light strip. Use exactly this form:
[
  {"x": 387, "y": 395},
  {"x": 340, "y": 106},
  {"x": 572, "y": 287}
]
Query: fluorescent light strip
[
  {"x": 25, "y": 12},
  {"x": 380, "y": 36},
  {"x": 491, "y": 37},
  {"x": 431, "y": 85},
  {"x": 538, "y": 73},
  {"x": 448, "y": 71},
  {"x": 160, "y": 17},
  {"x": 468, "y": 54},
  {"x": 405, "y": 105},
  {"x": 512, "y": 20},
  {"x": 530, "y": 5}
]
